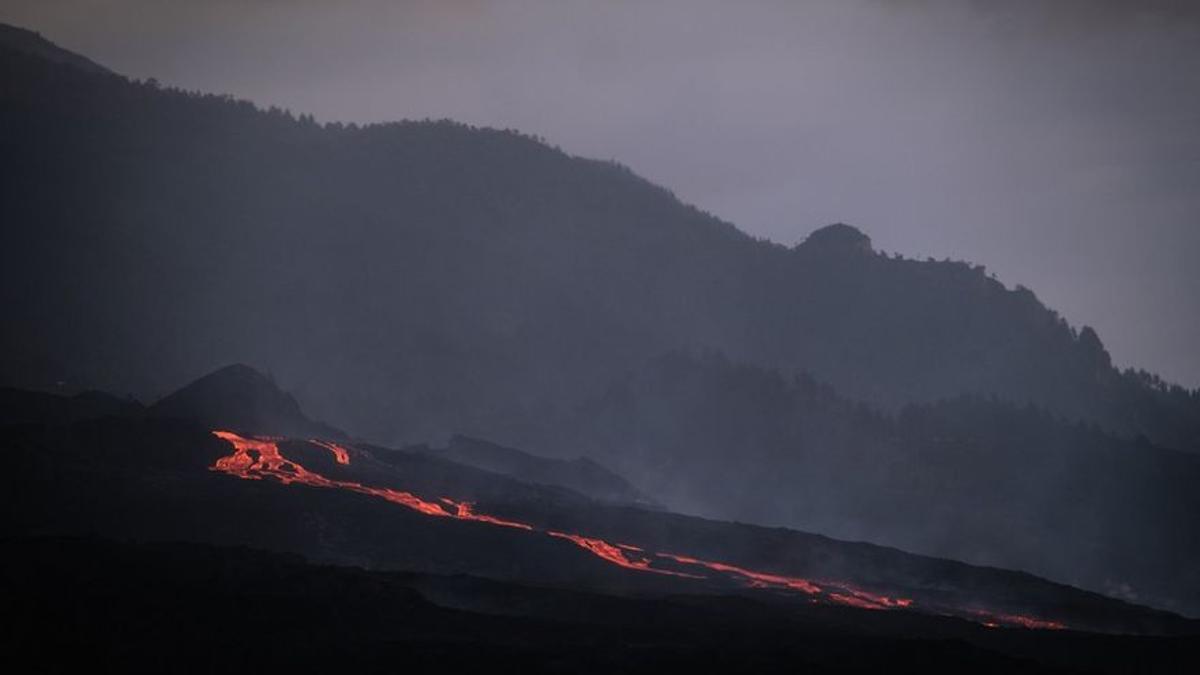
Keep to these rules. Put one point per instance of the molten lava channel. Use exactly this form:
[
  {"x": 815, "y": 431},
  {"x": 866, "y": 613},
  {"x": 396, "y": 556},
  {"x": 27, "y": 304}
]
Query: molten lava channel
[
  {"x": 340, "y": 455},
  {"x": 616, "y": 554},
  {"x": 257, "y": 458},
  {"x": 995, "y": 620}
]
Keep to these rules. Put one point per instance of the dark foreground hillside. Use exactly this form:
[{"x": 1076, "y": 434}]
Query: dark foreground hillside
[{"x": 104, "y": 606}]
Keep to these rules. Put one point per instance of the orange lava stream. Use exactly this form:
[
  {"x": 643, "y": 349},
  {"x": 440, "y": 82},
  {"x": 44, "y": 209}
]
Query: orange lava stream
[
  {"x": 255, "y": 458},
  {"x": 755, "y": 579},
  {"x": 993, "y": 620},
  {"x": 340, "y": 454},
  {"x": 464, "y": 511},
  {"x": 859, "y": 598},
  {"x": 616, "y": 554}
]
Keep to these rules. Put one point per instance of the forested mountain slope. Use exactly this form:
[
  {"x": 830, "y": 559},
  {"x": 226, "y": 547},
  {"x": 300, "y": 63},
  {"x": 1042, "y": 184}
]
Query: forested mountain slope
[{"x": 419, "y": 278}]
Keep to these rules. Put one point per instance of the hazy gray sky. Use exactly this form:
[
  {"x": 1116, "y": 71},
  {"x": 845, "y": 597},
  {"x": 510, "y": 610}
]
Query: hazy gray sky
[{"x": 1055, "y": 141}]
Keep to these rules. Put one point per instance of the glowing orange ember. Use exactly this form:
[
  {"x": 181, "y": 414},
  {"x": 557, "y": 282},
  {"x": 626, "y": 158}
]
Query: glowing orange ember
[{"x": 256, "y": 458}]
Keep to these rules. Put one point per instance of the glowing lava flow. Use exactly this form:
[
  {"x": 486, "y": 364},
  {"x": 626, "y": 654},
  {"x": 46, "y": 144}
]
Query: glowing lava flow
[
  {"x": 616, "y": 554},
  {"x": 833, "y": 591},
  {"x": 256, "y": 458},
  {"x": 993, "y": 620},
  {"x": 754, "y": 579},
  {"x": 860, "y": 598},
  {"x": 465, "y": 511},
  {"x": 340, "y": 454}
]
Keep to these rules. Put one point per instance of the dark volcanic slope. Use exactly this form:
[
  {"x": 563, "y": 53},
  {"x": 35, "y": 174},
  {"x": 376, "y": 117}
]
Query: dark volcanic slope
[
  {"x": 166, "y": 479},
  {"x": 970, "y": 479},
  {"x": 240, "y": 397},
  {"x": 580, "y": 474},
  {"x": 18, "y": 406},
  {"x": 407, "y": 279},
  {"x": 100, "y": 606}
]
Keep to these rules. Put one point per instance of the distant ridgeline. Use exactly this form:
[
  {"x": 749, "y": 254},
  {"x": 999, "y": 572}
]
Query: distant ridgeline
[
  {"x": 455, "y": 278},
  {"x": 408, "y": 281}
]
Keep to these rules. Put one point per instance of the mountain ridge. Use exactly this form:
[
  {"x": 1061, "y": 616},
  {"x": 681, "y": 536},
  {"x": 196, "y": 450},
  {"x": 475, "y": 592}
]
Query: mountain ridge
[
  {"x": 34, "y": 44},
  {"x": 558, "y": 249}
]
